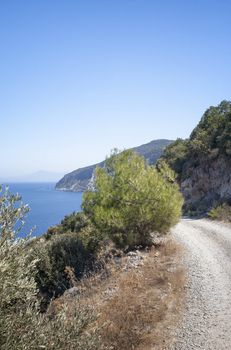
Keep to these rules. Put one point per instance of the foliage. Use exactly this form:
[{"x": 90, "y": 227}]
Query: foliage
[
  {"x": 211, "y": 137},
  {"x": 74, "y": 222},
  {"x": 131, "y": 200},
  {"x": 22, "y": 326},
  {"x": 73, "y": 244},
  {"x": 17, "y": 284},
  {"x": 77, "y": 223},
  {"x": 14, "y": 257},
  {"x": 81, "y": 226},
  {"x": 62, "y": 251},
  {"x": 221, "y": 212},
  {"x": 214, "y": 130},
  {"x": 64, "y": 330},
  {"x": 176, "y": 154}
]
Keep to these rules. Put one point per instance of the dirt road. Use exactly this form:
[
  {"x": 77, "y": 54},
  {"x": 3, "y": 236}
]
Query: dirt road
[{"x": 207, "y": 317}]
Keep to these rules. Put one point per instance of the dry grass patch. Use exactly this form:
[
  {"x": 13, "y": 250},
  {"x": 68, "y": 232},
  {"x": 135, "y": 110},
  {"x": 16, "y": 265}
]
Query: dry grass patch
[
  {"x": 137, "y": 307},
  {"x": 145, "y": 303}
]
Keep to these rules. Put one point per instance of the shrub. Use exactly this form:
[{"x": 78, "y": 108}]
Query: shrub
[
  {"x": 58, "y": 253},
  {"x": 131, "y": 200},
  {"x": 15, "y": 264},
  {"x": 221, "y": 212},
  {"x": 74, "y": 222},
  {"x": 176, "y": 154},
  {"x": 22, "y": 326},
  {"x": 17, "y": 284},
  {"x": 65, "y": 330}
]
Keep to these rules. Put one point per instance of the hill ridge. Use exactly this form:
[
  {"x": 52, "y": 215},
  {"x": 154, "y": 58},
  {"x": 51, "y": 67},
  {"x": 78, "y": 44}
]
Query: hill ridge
[{"x": 79, "y": 180}]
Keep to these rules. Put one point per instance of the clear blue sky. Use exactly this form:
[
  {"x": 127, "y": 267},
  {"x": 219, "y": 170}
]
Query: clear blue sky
[{"x": 78, "y": 78}]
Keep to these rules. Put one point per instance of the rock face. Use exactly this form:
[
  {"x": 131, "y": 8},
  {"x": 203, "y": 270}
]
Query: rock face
[
  {"x": 78, "y": 180},
  {"x": 81, "y": 179},
  {"x": 203, "y": 161},
  {"x": 208, "y": 183}
]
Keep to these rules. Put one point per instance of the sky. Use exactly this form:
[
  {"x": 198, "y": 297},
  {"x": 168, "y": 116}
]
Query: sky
[{"x": 78, "y": 78}]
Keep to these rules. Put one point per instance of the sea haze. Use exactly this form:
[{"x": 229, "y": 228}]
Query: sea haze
[{"x": 48, "y": 206}]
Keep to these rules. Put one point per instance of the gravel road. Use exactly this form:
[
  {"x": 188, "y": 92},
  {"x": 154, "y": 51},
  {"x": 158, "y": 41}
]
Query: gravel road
[{"x": 207, "y": 317}]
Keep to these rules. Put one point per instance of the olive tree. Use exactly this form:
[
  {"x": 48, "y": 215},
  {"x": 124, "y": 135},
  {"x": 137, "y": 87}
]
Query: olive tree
[
  {"x": 17, "y": 284},
  {"x": 22, "y": 325}
]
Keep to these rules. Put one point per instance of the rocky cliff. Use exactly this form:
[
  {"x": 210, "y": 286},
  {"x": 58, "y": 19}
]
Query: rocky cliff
[
  {"x": 203, "y": 162},
  {"x": 207, "y": 184},
  {"x": 81, "y": 179}
]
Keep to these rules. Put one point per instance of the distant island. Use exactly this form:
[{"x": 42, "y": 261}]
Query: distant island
[
  {"x": 38, "y": 176},
  {"x": 81, "y": 179}
]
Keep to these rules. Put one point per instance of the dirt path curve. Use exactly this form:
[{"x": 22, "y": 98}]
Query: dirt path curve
[{"x": 207, "y": 318}]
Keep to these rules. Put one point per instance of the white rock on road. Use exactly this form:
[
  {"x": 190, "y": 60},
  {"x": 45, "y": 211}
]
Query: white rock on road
[{"x": 206, "y": 321}]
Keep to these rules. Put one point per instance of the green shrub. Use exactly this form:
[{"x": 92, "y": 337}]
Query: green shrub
[
  {"x": 131, "y": 200},
  {"x": 176, "y": 154},
  {"x": 74, "y": 222},
  {"x": 221, "y": 212},
  {"x": 62, "y": 251}
]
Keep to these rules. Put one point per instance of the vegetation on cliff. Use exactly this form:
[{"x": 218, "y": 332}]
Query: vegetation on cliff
[
  {"x": 203, "y": 161},
  {"x": 212, "y": 136}
]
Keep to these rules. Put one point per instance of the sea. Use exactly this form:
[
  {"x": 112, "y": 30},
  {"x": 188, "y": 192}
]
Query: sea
[{"x": 48, "y": 206}]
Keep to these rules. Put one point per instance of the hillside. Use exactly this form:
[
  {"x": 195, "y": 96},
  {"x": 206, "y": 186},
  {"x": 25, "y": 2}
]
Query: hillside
[
  {"x": 203, "y": 162},
  {"x": 80, "y": 180}
]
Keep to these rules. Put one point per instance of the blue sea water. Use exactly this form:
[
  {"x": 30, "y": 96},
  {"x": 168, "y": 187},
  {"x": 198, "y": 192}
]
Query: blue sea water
[{"x": 48, "y": 206}]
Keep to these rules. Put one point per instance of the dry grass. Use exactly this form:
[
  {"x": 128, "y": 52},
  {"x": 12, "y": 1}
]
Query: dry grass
[
  {"x": 138, "y": 307},
  {"x": 145, "y": 303}
]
